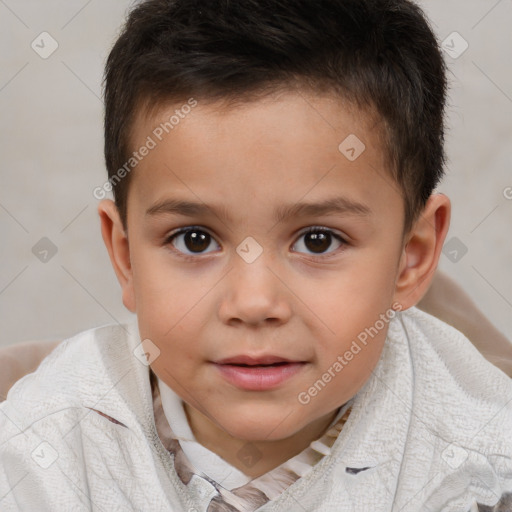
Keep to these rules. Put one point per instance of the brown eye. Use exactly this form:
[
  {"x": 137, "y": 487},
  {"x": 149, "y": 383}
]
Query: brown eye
[
  {"x": 191, "y": 241},
  {"x": 196, "y": 241},
  {"x": 318, "y": 240}
]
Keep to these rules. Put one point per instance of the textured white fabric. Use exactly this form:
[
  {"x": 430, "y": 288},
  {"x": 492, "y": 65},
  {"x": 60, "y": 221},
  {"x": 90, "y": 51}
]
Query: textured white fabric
[{"x": 433, "y": 425}]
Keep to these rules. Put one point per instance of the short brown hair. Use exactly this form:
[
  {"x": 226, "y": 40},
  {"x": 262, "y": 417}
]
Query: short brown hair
[{"x": 380, "y": 55}]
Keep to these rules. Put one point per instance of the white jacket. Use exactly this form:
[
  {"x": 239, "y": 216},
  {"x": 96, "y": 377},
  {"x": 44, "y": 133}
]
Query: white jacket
[{"x": 433, "y": 425}]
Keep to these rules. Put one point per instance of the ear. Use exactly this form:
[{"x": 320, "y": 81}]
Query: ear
[
  {"x": 116, "y": 241},
  {"x": 421, "y": 252}
]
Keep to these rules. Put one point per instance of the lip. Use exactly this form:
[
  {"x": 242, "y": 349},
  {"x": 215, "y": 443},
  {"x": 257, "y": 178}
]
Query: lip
[
  {"x": 255, "y": 360},
  {"x": 260, "y": 373}
]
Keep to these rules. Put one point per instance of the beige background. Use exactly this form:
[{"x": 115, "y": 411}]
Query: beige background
[{"x": 51, "y": 160}]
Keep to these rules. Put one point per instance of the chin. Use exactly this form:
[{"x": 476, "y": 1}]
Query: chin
[{"x": 261, "y": 426}]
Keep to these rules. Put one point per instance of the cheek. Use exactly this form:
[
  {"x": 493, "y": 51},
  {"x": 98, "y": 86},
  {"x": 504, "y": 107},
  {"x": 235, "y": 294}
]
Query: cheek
[
  {"x": 178, "y": 352},
  {"x": 168, "y": 308},
  {"x": 160, "y": 291},
  {"x": 352, "y": 364},
  {"x": 349, "y": 319},
  {"x": 352, "y": 299}
]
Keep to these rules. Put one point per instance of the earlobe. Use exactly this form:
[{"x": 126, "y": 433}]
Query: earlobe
[
  {"x": 421, "y": 253},
  {"x": 116, "y": 242}
]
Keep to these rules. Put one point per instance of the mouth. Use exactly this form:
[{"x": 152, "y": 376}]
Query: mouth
[
  {"x": 258, "y": 373},
  {"x": 265, "y": 360}
]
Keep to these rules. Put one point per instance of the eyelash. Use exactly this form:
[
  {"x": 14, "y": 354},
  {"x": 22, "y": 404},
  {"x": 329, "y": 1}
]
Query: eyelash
[{"x": 312, "y": 229}]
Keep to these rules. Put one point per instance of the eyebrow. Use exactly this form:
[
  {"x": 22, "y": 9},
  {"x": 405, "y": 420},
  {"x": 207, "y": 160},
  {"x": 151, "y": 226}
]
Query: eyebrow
[{"x": 335, "y": 205}]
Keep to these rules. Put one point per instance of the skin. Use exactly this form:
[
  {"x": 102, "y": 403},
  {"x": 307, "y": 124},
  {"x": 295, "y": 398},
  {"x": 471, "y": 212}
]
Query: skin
[
  {"x": 444, "y": 299},
  {"x": 294, "y": 300}
]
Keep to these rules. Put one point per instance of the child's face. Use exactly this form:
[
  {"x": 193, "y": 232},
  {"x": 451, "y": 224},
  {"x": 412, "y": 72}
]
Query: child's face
[{"x": 210, "y": 296}]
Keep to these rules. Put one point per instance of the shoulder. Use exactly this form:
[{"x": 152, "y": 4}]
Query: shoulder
[
  {"x": 453, "y": 375},
  {"x": 462, "y": 404},
  {"x": 83, "y": 417},
  {"x": 74, "y": 373},
  {"x": 432, "y": 340}
]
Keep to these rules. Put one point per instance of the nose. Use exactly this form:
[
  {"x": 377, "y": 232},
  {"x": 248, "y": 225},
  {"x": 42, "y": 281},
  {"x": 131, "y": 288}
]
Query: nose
[{"x": 255, "y": 294}]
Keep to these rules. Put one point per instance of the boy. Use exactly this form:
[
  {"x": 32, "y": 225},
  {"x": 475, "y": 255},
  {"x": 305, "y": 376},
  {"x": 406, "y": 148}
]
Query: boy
[{"x": 281, "y": 364}]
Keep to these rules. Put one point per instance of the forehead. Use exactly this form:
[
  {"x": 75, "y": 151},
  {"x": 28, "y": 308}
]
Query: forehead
[
  {"x": 289, "y": 145},
  {"x": 300, "y": 109}
]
